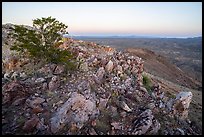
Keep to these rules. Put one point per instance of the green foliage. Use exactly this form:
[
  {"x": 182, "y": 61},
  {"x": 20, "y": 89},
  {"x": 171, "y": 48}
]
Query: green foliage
[
  {"x": 39, "y": 43},
  {"x": 147, "y": 82}
]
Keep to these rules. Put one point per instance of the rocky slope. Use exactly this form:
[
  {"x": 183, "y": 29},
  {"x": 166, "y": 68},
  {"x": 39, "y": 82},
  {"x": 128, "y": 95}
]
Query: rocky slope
[
  {"x": 104, "y": 96},
  {"x": 160, "y": 66}
]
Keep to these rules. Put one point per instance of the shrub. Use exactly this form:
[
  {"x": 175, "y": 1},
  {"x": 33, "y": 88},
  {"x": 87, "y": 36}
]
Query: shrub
[
  {"x": 39, "y": 42},
  {"x": 147, "y": 82}
]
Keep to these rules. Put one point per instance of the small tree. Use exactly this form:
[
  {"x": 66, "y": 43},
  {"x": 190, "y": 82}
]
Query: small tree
[{"x": 39, "y": 42}]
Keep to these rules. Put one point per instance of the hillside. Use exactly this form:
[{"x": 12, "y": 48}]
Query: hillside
[
  {"x": 160, "y": 66},
  {"x": 105, "y": 95},
  {"x": 184, "y": 53}
]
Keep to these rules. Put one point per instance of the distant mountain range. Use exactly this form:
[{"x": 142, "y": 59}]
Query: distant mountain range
[{"x": 126, "y": 36}]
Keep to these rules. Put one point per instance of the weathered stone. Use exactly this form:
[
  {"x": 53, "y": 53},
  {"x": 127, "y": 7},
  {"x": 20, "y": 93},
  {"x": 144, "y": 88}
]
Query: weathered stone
[
  {"x": 58, "y": 70},
  {"x": 92, "y": 132},
  {"x": 142, "y": 123},
  {"x": 181, "y": 132},
  {"x": 100, "y": 73},
  {"x": 151, "y": 106},
  {"x": 40, "y": 80},
  {"x": 143, "y": 89},
  {"x": 157, "y": 93},
  {"x": 103, "y": 103},
  {"x": 23, "y": 75},
  {"x": 14, "y": 76},
  {"x": 35, "y": 102},
  {"x": 181, "y": 104},
  {"x": 128, "y": 82},
  {"x": 44, "y": 86},
  {"x": 38, "y": 100},
  {"x": 123, "y": 114},
  {"x": 40, "y": 125},
  {"x": 30, "y": 125},
  {"x": 109, "y": 66},
  {"x": 84, "y": 87},
  {"x": 19, "y": 101},
  {"x": 124, "y": 106},
  {"x": 54, "y": 83},
  {"x": 116, "y": 125},
  {"x": 37, "y": 109},
  {"x": 13, "y": 91},
  {"x": 84, "y": 67},
  {"x": 154, "y": 128},
  {"x": 75, "y": 110}
]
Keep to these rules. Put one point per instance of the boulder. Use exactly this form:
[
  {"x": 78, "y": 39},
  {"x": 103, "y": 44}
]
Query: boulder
[
  {"x": 13, "y": 91},
  {"x": 154, "y": 128},
  {"x": 100, "y": 73},
  {"x": 181, "y": 104},
  {"x": 76, "y": 110},
  {"x": 109, "y": 66},
  {"x": 30, "y": 125},
  {"x": 142, "y": 123}
]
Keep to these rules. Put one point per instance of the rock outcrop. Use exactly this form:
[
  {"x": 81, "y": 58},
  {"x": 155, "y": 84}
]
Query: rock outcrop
[{"x": 105, "y": 95}]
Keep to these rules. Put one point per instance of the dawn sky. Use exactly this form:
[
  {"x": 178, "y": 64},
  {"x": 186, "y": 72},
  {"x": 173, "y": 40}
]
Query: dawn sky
[{"x": 167, "y": 19}]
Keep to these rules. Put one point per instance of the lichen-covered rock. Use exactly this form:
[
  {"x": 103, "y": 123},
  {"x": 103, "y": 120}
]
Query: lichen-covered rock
[
  {"x": 75, "y": 110},
  {"x": 154, "y": 128},
  {"x": 181, "y": 104},
  {"x": 142, "y": 123}
]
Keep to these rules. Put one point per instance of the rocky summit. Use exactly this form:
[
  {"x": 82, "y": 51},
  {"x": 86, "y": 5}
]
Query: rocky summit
[{"x": 105, "y": 96}]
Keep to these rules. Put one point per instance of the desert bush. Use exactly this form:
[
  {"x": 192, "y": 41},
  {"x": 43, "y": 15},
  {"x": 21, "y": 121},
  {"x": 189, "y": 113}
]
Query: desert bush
[
  {"x": 147, "y": 82},
  {"x": 39, "y": 43}
]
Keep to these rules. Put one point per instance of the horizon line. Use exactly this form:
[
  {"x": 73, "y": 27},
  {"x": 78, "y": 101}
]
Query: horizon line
[{"x": 132, "y": 36}]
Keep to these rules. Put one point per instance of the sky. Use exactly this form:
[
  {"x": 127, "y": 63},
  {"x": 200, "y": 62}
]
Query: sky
[{"x": 163, "y": 19}]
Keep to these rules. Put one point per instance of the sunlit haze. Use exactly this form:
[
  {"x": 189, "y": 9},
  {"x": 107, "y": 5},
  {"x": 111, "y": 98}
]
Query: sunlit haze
[{"x": 167, "y": 19}]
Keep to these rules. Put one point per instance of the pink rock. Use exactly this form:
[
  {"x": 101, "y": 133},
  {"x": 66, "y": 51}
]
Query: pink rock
[
  {"x": 13, "y": 91},
  {"x": 100, "y": 73},
  {"x": 116, "y": 125},
  {"x": 77, "y": 109},
  {"x": 109, "y": 66}
]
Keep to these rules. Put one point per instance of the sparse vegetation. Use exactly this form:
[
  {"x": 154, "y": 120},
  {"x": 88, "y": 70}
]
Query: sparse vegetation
[
  {"x": 147, "y": 82},
  {"x": 39, "y": 43}
]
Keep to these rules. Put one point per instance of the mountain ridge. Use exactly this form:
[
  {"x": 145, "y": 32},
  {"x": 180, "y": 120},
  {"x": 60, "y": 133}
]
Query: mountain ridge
[{"x": 104, "y": 95}]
